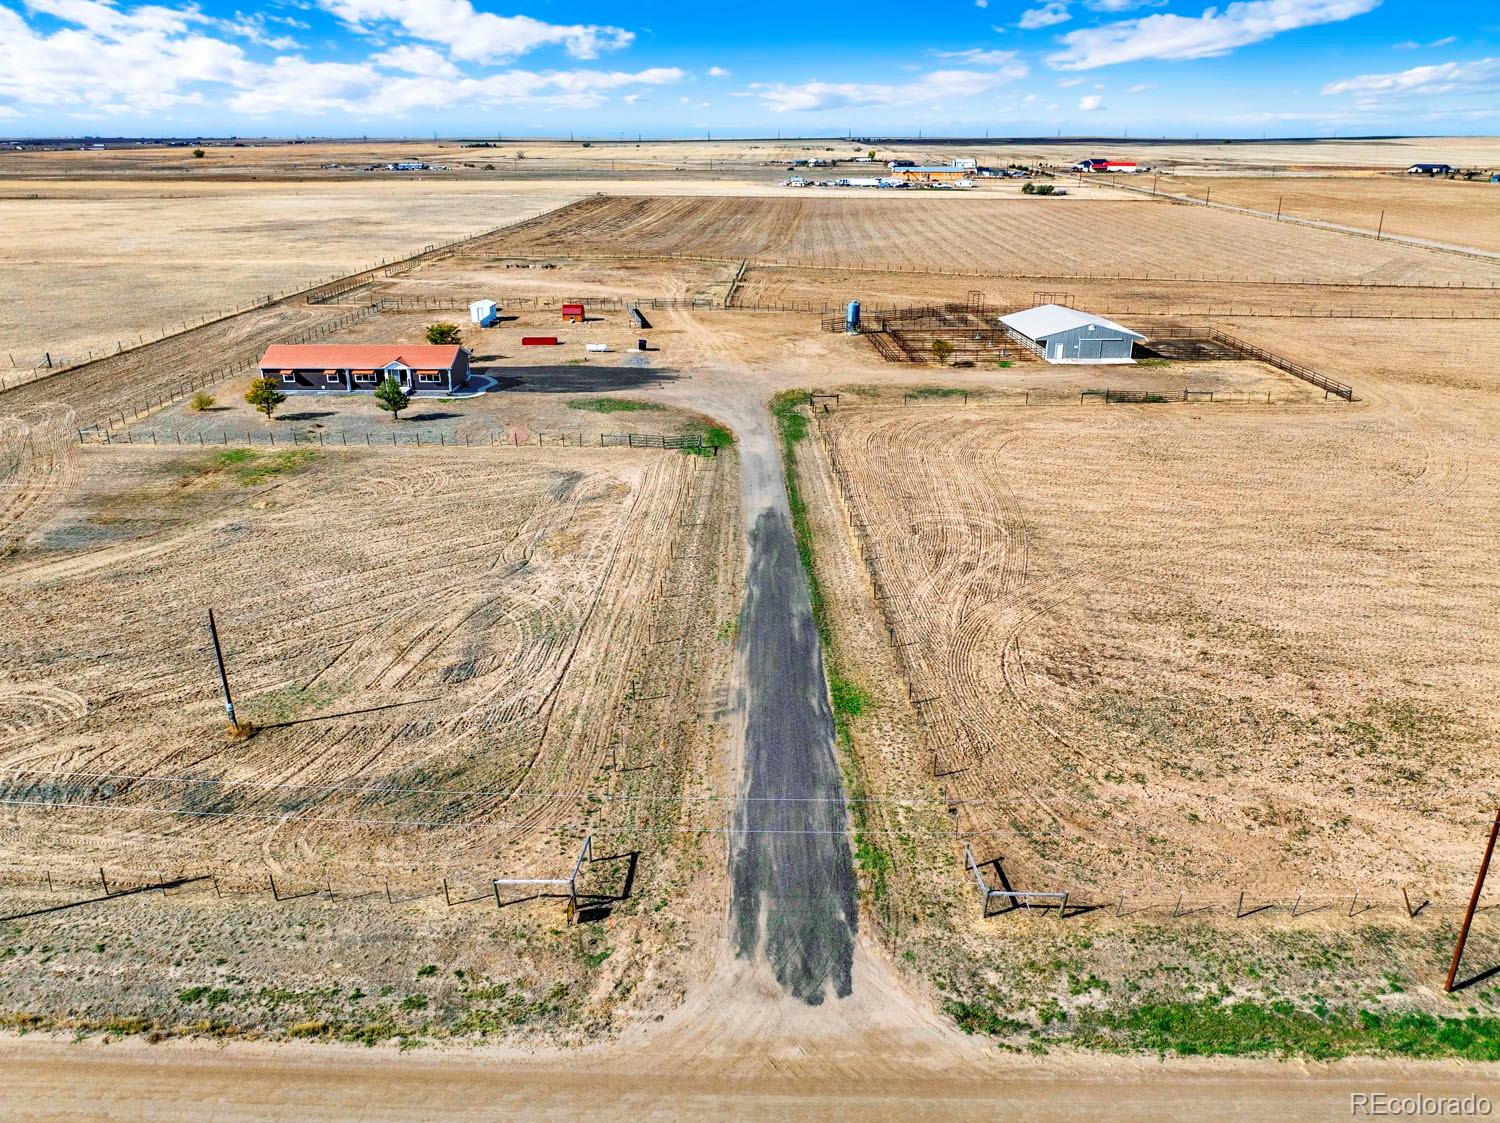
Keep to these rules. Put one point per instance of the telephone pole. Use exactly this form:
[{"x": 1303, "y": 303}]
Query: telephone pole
[
  {"x": 213, "y": 632},
  {"x": 1463, "y": 933}
]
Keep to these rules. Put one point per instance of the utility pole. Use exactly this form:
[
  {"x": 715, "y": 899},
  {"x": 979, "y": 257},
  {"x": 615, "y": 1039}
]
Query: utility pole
[
  {"x": 1463, "y": 933},
  {"x": 1379, "y": 230},
  {"x": 1278, "y": 207},
  {"x": 213, "y": 631}
]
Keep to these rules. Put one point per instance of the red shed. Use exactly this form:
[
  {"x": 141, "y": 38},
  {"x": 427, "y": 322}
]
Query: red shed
[
  {"x": 572, "y": 313},
  {"x": 538, "y": 341}
]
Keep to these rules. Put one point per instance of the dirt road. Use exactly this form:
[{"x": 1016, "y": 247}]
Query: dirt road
[{"x": 56, "y": 1081}]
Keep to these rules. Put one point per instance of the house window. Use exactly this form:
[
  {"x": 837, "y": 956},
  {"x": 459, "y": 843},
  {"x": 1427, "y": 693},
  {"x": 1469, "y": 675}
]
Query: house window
[
  {"x": 334, "y": 379},
  {"x": 429, "y": 378},
  {"x": 289, "y": 378},
  {"x": 366, "y": 376}
]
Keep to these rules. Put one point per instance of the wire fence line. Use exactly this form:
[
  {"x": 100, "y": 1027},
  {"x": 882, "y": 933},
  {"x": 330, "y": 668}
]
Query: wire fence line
[
  {"x": 860, "y": 265},
  {"x": 411, "y": 438},
  {"x": 1317, "y": 224}
]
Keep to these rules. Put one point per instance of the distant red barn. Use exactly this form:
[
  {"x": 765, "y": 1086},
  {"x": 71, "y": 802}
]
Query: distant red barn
[{"x": 572, "y": 313}]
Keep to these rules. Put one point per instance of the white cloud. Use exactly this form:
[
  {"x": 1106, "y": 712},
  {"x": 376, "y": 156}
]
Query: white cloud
[
  {"x": 1140, "y": 88},
  {"x": 1091, "y": 103},
  {"x": 108, "y": 61},
  {"x": 977, "y": 57},
  {"x": 981, "y": 3},
  {"x": 417, "y": 60},
  {"x": 1479, "y": 74},
  {"x": 936, "y": 86},
  {"x": 1046, "y": 16},
  {"x": 1064, "y": 83},
  {"x": 472, "y": 35},
  {"x": 1216, "y": 32},
  {"x": 717, "y": 72}
]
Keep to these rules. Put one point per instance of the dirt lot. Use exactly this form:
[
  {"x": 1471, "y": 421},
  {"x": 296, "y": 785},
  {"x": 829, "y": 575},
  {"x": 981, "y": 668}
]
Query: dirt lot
[
  {"x": 1441, "y": 210},
  {"x": 1036, "y": 237}
]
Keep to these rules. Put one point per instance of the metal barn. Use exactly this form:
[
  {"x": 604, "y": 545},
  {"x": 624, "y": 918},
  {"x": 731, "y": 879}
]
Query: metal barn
[{"x": 1066, "y": 335}]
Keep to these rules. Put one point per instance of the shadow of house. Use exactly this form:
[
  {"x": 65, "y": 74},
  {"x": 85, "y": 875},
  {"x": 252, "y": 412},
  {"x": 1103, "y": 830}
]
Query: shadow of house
[{"x": 581, "y": 379}]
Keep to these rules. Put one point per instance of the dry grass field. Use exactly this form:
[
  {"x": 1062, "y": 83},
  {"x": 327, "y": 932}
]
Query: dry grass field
[
  {"x": 1457, "y": 212},
  {"x": 1061, "y": 238},
  {"x": 1193, "y": 650},
  {"x": 455, "y": 665},
  {"x": 87, "y": 269}
]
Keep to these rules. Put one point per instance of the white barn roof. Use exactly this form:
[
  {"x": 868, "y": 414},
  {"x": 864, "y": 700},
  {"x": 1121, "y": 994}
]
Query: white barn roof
[{"x": 1051, "y": 319}]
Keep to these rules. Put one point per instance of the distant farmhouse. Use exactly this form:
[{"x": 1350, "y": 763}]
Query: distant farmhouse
[
  {"x": 343, "y": 368},
  {"x": 1430, "y": 169},
  {"x": 1106, "y": 166}
]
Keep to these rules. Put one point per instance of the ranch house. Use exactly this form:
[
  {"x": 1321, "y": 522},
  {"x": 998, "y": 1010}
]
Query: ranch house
[{"x": 345, "y": 368}]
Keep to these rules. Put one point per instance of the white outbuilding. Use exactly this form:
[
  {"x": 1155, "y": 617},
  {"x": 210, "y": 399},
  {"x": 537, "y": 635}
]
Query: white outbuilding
[
  {"x": 484, "y": 312},
  {"x": 1066, "y": 335}
]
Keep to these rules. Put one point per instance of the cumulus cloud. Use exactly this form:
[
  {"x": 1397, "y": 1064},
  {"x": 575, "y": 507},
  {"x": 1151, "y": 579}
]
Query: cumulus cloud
[
  {"x": 105, "y": 60},
  {"x": 935, "y": 86},
  {"x": 1091, "y": 103},
  {"x": 1216, "y": 32},
  {"x": 417, "y": 60},
  {"x": 1045, "y": 16},
  {"x": 1443, "y": 78},
  {"x": 717, "y": 72},
  {"x": 472, "y": 35}
]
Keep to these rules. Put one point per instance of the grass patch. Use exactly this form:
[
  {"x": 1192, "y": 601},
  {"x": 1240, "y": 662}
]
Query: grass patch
[
  {"x": 1209, "y": 1028},
  {"x": 612, "y": 405},
  {"x": 715, "y": 437},
  {"x": 248, "y": 467},
  {"x": 847, "y": 698},
  {"x": 937, "y": 392}
]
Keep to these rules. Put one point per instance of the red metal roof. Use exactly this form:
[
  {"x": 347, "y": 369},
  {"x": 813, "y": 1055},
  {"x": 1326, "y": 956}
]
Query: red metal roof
[
  {"x": 574, "y": 308},
  {"x": 367, "y": 356}
]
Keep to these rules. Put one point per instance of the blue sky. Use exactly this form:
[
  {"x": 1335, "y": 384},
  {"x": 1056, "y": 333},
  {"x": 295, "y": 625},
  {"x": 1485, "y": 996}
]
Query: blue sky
[{"x": 488, "y": 67}]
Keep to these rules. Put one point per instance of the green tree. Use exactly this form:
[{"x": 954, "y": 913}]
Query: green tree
[
  {"x": 444, "y": 332},
  {"x": 201, "y": 401},
  {"x": 1028, "y": 188},
  {"x": 941, "y": 349},
  {"x": 390, "y": 397},
  {"x": 264, "y": 395},
  {"x": 198, "y": 154}
]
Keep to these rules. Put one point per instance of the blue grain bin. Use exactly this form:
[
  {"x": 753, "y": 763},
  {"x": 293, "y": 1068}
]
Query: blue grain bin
[{"x": 851, "y": 318}]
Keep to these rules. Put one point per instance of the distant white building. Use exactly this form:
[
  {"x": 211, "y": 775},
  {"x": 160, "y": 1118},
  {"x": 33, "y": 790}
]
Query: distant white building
[
  {"x": 484, "y": 312},
  {"x": 1066, "y": 335}
]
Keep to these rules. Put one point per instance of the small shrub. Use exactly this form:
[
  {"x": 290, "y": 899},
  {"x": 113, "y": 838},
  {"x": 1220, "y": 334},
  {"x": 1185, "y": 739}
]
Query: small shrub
[
  {"x": 444, "y": 332},
  {"x": 308, "y": 1029},
  {"x": 198, "y": 154},
  {"x": 201, "y": 401},
  {"x": 427, "y": 971}
]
